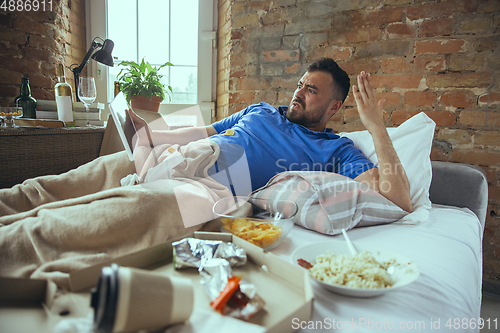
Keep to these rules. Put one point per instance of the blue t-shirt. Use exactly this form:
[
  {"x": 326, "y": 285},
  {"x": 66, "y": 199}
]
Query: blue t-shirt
[{"x": 274, "y": 144}]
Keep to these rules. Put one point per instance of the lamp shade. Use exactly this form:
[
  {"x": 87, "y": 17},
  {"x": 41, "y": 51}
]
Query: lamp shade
[{"x": 104, "y": 54}]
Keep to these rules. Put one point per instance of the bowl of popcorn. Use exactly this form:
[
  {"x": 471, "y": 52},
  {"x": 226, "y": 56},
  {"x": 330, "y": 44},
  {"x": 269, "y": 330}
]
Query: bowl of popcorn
[
  {"x": 264, "y": 223},
  {"x": 8, "y": 114}
]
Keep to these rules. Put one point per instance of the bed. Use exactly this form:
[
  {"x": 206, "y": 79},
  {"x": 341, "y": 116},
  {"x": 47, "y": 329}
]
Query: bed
[
  {"x": 447, "y": 249},
  {"x": 443, "y": 236}
]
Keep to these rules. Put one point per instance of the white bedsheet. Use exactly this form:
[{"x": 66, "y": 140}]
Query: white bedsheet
[{"x": 446, "y": 297}]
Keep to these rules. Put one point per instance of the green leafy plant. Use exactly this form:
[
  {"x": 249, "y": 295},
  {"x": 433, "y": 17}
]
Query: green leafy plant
[{"x": 142, "y": 79}]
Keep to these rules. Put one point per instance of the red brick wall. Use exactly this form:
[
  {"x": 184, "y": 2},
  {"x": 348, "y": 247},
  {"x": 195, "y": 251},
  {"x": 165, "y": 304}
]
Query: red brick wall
[
  {"x": 431, "y": 56},
  {"x": 33, "y": 43}
]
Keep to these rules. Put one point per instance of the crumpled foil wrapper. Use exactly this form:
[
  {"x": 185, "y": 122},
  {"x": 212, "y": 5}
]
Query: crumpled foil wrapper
[
  {"x": 248, "y": 311},
  {"x": 214, "y": 276},
  {"x": 214, "y": 260},
  {"x": 192, "y": 252}
]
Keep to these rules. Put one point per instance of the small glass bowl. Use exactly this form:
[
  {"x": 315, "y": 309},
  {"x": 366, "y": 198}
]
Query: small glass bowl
[
  {"x": 264, "y": 223},
  {"x": 8, "y": 114}
]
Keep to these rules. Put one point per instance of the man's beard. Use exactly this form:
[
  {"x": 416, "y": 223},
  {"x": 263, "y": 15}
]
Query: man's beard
[{"x": 305, "y": 117}]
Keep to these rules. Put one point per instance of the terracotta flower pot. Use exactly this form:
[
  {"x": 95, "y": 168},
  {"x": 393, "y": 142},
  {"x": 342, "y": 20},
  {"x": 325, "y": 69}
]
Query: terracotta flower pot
[{"x": 144, "y": 103}]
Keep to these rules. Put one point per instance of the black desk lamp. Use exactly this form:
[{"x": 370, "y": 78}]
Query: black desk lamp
[{"x": 102, "y": 55}]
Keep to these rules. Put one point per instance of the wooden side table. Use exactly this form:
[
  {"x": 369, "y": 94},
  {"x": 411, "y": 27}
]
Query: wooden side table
[{"x": 31, "y": 152}]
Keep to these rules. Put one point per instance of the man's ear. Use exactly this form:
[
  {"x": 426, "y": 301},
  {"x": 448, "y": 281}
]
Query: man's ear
[{"x": 335, "y": 107}]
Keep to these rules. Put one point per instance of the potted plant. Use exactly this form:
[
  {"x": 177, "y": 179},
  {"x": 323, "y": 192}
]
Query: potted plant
[{"x": 141, "y": 84}]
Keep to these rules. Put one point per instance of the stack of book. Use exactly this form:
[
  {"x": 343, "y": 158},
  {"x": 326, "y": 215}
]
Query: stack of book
[{"x": 48, "y": 110}]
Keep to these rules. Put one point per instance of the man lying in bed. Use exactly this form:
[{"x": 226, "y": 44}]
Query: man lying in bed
[
  {"x": 296, "y": 137},
  {"x": 52, "y": 225}
]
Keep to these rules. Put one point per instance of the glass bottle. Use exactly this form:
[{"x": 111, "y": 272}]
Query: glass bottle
[
  {"x": 64, "y": 98},
  {"x": 116, "y": 88},
  {"x": 25, "y": 100}
]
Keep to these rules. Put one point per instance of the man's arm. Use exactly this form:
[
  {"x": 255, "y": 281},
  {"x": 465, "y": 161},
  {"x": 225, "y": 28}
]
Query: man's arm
[
  {"x": 390, "y": 177},
  {"x": 147, "y": 139},
  {"x": 179, "y": 136},
  {"x": 182, "y": 136}
]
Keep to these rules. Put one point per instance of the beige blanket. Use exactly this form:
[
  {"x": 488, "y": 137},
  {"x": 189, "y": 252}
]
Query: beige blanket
[{"x": 52, "y": 225}]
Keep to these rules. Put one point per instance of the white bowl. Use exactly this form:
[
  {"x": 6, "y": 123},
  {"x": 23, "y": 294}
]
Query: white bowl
[
  {"x": 248, "y": 217},
  {"x": 404, "y": 274}
]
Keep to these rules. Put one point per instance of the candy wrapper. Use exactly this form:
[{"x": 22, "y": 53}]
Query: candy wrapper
[
  {"x": 229, "y": 294},
  {"x": 192, "y": 252}
]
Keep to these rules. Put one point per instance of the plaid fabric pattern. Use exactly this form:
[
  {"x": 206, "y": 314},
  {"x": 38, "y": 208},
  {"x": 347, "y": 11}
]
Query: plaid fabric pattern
[{"x": 329, "y": 202}]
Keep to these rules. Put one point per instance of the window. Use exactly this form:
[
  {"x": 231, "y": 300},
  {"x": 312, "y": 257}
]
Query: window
[{"x": 179, "y": 31}]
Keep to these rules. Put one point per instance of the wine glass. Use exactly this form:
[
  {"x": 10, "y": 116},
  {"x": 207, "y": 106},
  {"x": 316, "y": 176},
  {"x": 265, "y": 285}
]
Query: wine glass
[
  {"x": 8, "y": 114},
  {"x": 86, "y": 92}
]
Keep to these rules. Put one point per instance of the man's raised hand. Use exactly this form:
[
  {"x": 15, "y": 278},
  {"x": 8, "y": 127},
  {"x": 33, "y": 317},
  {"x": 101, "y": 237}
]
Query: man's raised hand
[{"x": 370, "y": 109}]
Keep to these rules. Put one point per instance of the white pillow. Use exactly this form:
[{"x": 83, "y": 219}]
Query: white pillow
[{"x": 412, "y": 141}]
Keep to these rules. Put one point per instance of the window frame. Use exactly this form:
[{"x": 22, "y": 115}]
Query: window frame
[{"x": 96, "y": 22}]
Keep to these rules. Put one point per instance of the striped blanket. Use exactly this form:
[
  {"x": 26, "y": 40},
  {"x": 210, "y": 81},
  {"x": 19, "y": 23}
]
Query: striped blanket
[{"x": 329, "y": 202}]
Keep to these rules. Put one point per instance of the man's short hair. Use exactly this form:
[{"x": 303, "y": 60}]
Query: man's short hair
[{"x": 341, "y": 82}]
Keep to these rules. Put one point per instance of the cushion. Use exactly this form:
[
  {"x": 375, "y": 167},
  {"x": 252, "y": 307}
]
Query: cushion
[
  {"x": 412, "y": 141},
  {"x": 329, "y": 202}
]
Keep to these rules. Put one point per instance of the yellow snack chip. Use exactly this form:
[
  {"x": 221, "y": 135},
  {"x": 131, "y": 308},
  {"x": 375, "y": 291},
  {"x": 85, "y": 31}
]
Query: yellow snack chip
[
  {"x": 258, "y": 233},
  {"x": 229, "y": 132}
]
